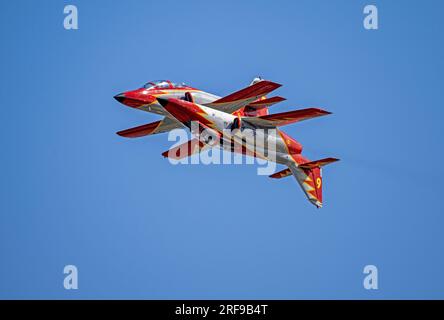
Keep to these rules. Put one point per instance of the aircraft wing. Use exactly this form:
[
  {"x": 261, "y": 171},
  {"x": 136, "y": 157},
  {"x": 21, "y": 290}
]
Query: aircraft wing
[
  {"x": 284, "y": 118},
  {"x": 165, "y": 125},
  {"x": 263, "y": 103},
  {"x": 241, "y": 98},
  {"x": 186, "y": 149}
]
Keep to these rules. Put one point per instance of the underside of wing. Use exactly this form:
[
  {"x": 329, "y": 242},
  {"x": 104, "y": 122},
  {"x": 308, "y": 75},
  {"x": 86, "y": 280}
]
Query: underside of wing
[
  {"x": 284, "y": 118},
  {"x": 161, "y": 126},
  {"x": 244, "y": 97},
  {"x": 186, "y": 149}
]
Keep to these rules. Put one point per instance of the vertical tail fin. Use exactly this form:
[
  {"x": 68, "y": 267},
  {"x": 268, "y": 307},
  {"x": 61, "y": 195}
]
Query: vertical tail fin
[
  {"x": 309, "y": 176},
  {"x": 310, "y": 181}
]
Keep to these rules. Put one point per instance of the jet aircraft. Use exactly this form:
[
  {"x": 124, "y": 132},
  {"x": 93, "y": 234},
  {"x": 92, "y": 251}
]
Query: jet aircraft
[{"x": 223, "y": 120}]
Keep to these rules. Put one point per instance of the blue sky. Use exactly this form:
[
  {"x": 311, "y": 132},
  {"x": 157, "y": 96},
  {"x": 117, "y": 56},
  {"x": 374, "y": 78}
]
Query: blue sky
[{"x": 73, "y": 192}]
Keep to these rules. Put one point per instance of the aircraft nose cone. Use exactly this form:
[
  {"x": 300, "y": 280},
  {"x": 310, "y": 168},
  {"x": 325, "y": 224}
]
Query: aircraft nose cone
[{"x": 120, "y": 97}]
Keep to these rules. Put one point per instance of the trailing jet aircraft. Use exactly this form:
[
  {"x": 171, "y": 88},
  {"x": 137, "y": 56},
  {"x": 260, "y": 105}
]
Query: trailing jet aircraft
[{"x": 223, "y": 120}]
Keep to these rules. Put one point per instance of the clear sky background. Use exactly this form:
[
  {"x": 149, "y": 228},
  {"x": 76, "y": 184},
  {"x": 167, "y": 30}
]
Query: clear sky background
[{"x": 73, "y": 192}]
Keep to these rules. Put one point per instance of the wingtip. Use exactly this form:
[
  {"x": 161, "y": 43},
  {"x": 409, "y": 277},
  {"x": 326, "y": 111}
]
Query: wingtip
[
  {"x": 277, "y": 85},
  {"x": 121, "y": 133},
  {"x": 126, "y": 134},
  {"x": 274, "y": 85},
  {"x": 323, "y": 112}
]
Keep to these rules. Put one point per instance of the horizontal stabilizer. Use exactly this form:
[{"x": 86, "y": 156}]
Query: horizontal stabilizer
[
  {"x": 317, "y": 163},
  {"x": 244, "y": 97},
  {"x": 164, "y": 125},
  {"x": 281, "y": 174},
  {"x": 284, "y": 118}
]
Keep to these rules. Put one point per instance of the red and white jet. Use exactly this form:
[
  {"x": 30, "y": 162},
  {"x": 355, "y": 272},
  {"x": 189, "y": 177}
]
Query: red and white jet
[{"x": 223, "y": 120}]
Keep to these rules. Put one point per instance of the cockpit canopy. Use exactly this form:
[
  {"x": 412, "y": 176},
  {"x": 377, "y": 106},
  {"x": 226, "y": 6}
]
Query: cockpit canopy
[{"x": 163, "y": 84}]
